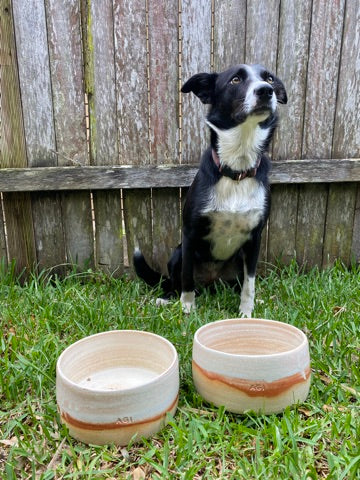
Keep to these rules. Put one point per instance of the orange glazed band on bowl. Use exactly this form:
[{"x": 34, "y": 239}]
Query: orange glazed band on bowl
[{"x": 251, "y": 364}]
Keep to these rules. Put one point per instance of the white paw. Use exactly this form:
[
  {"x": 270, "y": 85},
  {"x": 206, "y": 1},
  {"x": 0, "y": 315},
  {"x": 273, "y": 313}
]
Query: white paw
[
  {"x": 245, "y": 311},
  {"x": 187, "y": 300},
  {"x": 162, "y": 301}
]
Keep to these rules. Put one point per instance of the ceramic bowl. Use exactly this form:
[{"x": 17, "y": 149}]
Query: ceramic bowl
[
  {"x": 116, "y": 386},
  {"x": 251, "y": 364}
]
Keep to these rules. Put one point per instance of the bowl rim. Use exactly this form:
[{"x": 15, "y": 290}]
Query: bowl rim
[
  {"x": 292, "y": 328},
  {"x": 75, "y": 385}
]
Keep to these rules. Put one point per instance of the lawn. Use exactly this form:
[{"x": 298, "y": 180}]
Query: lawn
[{"x": 314, "y": 440}]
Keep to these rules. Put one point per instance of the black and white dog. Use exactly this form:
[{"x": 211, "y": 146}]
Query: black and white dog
[{"x": 228, "y": 202}]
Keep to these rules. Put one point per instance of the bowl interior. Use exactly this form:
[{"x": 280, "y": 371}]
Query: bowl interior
[
  {"x": 116, "y": 360},
  {"x": 250, "y": 337}
]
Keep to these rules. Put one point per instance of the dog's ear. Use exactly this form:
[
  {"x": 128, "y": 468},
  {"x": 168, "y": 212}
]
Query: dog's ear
[
  {"x": 202, "y": 85},
  {"x": 280, "y": 91}
]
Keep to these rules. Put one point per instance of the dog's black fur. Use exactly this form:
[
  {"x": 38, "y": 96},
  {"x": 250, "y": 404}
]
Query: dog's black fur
[{"x": 223, "y": 216}]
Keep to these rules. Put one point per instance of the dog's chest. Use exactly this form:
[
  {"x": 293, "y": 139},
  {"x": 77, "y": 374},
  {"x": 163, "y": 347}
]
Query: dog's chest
[{"x": 234, "y": 210}]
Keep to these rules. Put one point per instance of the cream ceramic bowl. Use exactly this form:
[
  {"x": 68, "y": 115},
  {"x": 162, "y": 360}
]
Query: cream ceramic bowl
[
  {"x": 251, "y": 364},
  {"x": 117, "y": 385}
]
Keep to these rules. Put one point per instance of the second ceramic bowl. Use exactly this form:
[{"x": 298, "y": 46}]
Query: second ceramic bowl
[{"x": 251, "y": 364}]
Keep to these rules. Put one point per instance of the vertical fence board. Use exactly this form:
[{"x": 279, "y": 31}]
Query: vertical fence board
[
  {"x": 324, "y": 54},
  {"x": 346, "y": 141},
  {"x": 293, "y": 38},
  {"x": 164, "y": 128},
  {"x": 262, "y": 19},
  {"x": 229, "y": 33},
  {"x": 65, "y": 53},
  {"x": 3, "y": 252},
  {"x": 101, "y": 90},
  {"x": 310, "y": 224},
  {"x": 130, "y": 19},
  {"x": 17, "y": 206},
  {"x": 36, "y": 97},
  {"x": 195, "y": 58},
  {"x": 355, "y": 247}
]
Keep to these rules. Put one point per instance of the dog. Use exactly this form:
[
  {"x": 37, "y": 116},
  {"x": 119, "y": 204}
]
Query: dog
[{"x": 228, "y": 202}]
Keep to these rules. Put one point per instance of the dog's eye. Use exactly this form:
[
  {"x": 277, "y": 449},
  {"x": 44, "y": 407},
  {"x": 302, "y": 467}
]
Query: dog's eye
[
  {"x": 270, "y": 79},
  {"x": 235, "y": 80}
]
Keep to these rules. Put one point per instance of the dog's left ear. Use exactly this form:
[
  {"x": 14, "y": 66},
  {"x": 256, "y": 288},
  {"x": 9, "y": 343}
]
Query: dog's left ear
[
  {"x": 202, "y": 85},
  {"x": 280, "y": 91}
]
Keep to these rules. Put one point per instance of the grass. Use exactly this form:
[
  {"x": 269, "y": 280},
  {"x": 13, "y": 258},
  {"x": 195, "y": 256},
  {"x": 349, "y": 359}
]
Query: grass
[{"x": 318, "y": 439}]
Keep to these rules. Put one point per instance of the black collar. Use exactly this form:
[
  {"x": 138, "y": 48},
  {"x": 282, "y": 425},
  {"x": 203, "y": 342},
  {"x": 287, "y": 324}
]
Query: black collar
[{"x": 237, "y": 175}]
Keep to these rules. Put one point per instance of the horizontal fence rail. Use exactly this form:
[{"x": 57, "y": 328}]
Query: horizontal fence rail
[{"x": 165, "y": 176}]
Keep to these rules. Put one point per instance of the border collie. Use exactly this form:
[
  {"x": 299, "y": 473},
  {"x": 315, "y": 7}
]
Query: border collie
[{"x": 228, "y": 202}]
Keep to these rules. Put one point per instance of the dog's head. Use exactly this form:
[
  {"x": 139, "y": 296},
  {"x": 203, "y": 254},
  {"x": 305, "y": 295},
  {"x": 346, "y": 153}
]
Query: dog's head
[{"x": 237, "y": 93}]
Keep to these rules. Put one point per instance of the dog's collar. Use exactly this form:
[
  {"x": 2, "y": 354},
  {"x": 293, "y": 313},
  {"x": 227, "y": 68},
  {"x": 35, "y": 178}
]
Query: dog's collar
[{"x": 237, "y": 175}]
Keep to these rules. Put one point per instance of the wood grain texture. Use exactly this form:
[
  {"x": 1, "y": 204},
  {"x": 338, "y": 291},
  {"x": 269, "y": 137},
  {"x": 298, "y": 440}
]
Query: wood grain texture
[
  {"x": 339, "y": 224},
  {"x": 65, "y": 55},
  {"x": 164, "y": 88},
  {"x": 346, "y": 140},
  {"x": 282, "y": 224},
  {"x": 262, "y": 20},
  {"x": 195, "y": 58},
  {"x": 3, "y": 249},
  {"x": 163, "y": 35},
  {"x": 161, "y": 176},
  {"x": 20, "y": 235},
  {"x": 131, "y": 81},
  {"x": 35, "y": 81},
  {"x": 100, "y": 72},
  {"x": 322, "y": 76},
  {"x": 322, "y": 80},
  {"x": 310, "y": 224},
  {"x": 229, "y": 33},
  {"x": 294, "y": 29}
]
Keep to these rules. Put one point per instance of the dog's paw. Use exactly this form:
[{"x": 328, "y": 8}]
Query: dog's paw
[
  {"x": 245, "y": 311},
  {"x": 187, "y": 300},
  {"x": 162, "y": 301}
]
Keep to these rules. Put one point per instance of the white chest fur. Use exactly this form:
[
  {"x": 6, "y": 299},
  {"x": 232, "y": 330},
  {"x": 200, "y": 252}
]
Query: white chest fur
[{"x": 235, "y": 209}]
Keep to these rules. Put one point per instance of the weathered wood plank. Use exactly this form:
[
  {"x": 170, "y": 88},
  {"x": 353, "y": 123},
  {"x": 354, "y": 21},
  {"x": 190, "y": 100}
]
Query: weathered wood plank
[
  {"x": 160, "y": 176},
  {"x": 346, "y": 140},
  {"x": 262, "y": 19},
  {"x": 163, "y": 28},
  {"x": 355, "y": 247},
  {"x": 195, "y": 58},
  {"x": 282, "y": 227},
  {"x": 65, "y": 54},
  {"x": 310, "y": 224},
  {"x": 109, "y": 232},
  {"x": 163, "y": 81},
  {"x": 294, "y": 30},
  {"x": 339, "y": 224},
  {"x": 322, "y": 79},
  {"x": 35, "y": 82},
  {"x": 293, "y": 41},
  {"x": 229, "y": 33},
  {"x": 100, "y": 76},
  {"x": 20, "y": 236},
  {"x": 137, "y": 215},
  {"x": 3, "y": 249},
  {"x": 131, "y": 81},
  {"x": 130, "y": 24}
]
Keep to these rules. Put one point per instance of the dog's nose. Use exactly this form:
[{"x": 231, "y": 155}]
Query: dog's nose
[{"x": 264, "y": 92}]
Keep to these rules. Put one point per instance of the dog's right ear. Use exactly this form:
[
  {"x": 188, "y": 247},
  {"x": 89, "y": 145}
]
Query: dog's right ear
[{"x": 202, "y": 85}]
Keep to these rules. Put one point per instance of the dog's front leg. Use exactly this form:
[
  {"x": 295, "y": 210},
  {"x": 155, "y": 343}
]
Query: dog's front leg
[
  {"x": 187, "y": 276},
  {"x": 247, "y": 294},
  {"x": 251, "y": 254}
]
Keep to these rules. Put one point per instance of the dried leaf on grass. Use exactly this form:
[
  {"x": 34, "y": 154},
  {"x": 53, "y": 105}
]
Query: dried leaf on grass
[{"x": 138, "y": 474}]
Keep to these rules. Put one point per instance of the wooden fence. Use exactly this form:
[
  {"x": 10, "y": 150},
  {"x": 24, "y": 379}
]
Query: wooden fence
[{"x": 98, "y": 145}]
